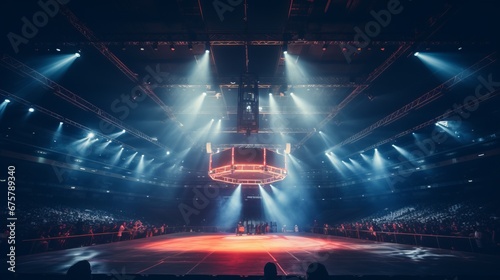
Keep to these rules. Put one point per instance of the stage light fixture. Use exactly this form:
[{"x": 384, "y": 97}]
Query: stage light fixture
[
  {"x": 60, "y": 123},
  {"x": 190, "y": 46},
  {"x": 416, "y": 53},
  {"x": 443, "y": 123},
  {"x": 325, "y": 46},
  {"x": 58, "y": 49},
  {"x": 31, "y": 110},
  {"x": 141, "y": 48},
  {"x": 207, "y": 47},
  {"x": 123, "y": 131},
  {"x": 7, "y": 100},
  {"x": 285, "y": 47},
  {"x": 172, "y": 47},
  {"x": 77, "y": 54}
]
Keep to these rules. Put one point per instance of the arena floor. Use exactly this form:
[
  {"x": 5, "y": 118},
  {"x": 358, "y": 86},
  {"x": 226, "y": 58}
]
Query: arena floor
[{"x": 223, "y": 254}]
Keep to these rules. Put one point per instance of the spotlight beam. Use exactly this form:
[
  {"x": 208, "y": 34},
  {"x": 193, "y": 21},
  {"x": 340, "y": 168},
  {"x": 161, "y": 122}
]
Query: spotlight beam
[
  {"x": 103, "y": 49},
  {"x": 357, "y": 90},
  {"x": 337, "y": 164},
  {"x": 61, "y": 118},
  {"x": 425, "y": 99},
  {"x": 271, "y": 209},
  {"x": 75, "y": 99},
  {"x": 230, "y": 212}
]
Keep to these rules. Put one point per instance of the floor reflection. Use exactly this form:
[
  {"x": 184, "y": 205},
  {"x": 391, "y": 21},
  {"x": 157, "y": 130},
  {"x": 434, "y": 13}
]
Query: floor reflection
[{"x": 223, "y": 254}]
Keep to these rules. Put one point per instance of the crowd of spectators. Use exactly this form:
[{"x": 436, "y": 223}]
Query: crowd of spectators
[
  {"x": 57, "y": 226},
  {"x": 60, "y": 226},
  {"x": 465, "y": 219}
]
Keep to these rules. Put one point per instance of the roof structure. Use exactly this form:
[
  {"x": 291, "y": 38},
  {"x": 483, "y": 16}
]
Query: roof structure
[{"x": 350, "y": 82}]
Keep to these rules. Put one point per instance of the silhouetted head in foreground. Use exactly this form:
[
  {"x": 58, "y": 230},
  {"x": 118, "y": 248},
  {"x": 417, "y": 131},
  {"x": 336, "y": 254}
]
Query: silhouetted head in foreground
[
  {"x": 316, "y": 271},
  {"x": 79, "y": 271},
  {"x": 270, "y": 271}
]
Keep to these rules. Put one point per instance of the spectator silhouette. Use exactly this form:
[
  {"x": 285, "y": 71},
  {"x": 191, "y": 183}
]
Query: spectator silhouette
[
  {"x": 316, "y": 271},
  {"x": 79, "y": 271},
  {"x": 270, "y": 271}
]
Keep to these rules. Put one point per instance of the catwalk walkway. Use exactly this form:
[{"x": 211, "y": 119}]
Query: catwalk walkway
[{"x": 222, "y": 254}]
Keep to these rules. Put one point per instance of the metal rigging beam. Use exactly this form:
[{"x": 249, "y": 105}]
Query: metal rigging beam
[
  {"x": 174, "y": 81},
  {"x": 263, "y": 110},
  {"x": 373, "y": 75},
  {"x": 74, "y": 99},
  {"x": 248, "y": 146},
  {"x": 238, "y": 40},
  {"x": 60, "y": 118},
  {"x": 252, "y": 39},
  {"x": 434, "y": 25},
  {"x": 423, "y": 100},
  {"x": 429, "y": 122},
  {"x": 234, "y": 86},
  {"x": 281, "y": 130},
  {"x": 102, "y": 48}
]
